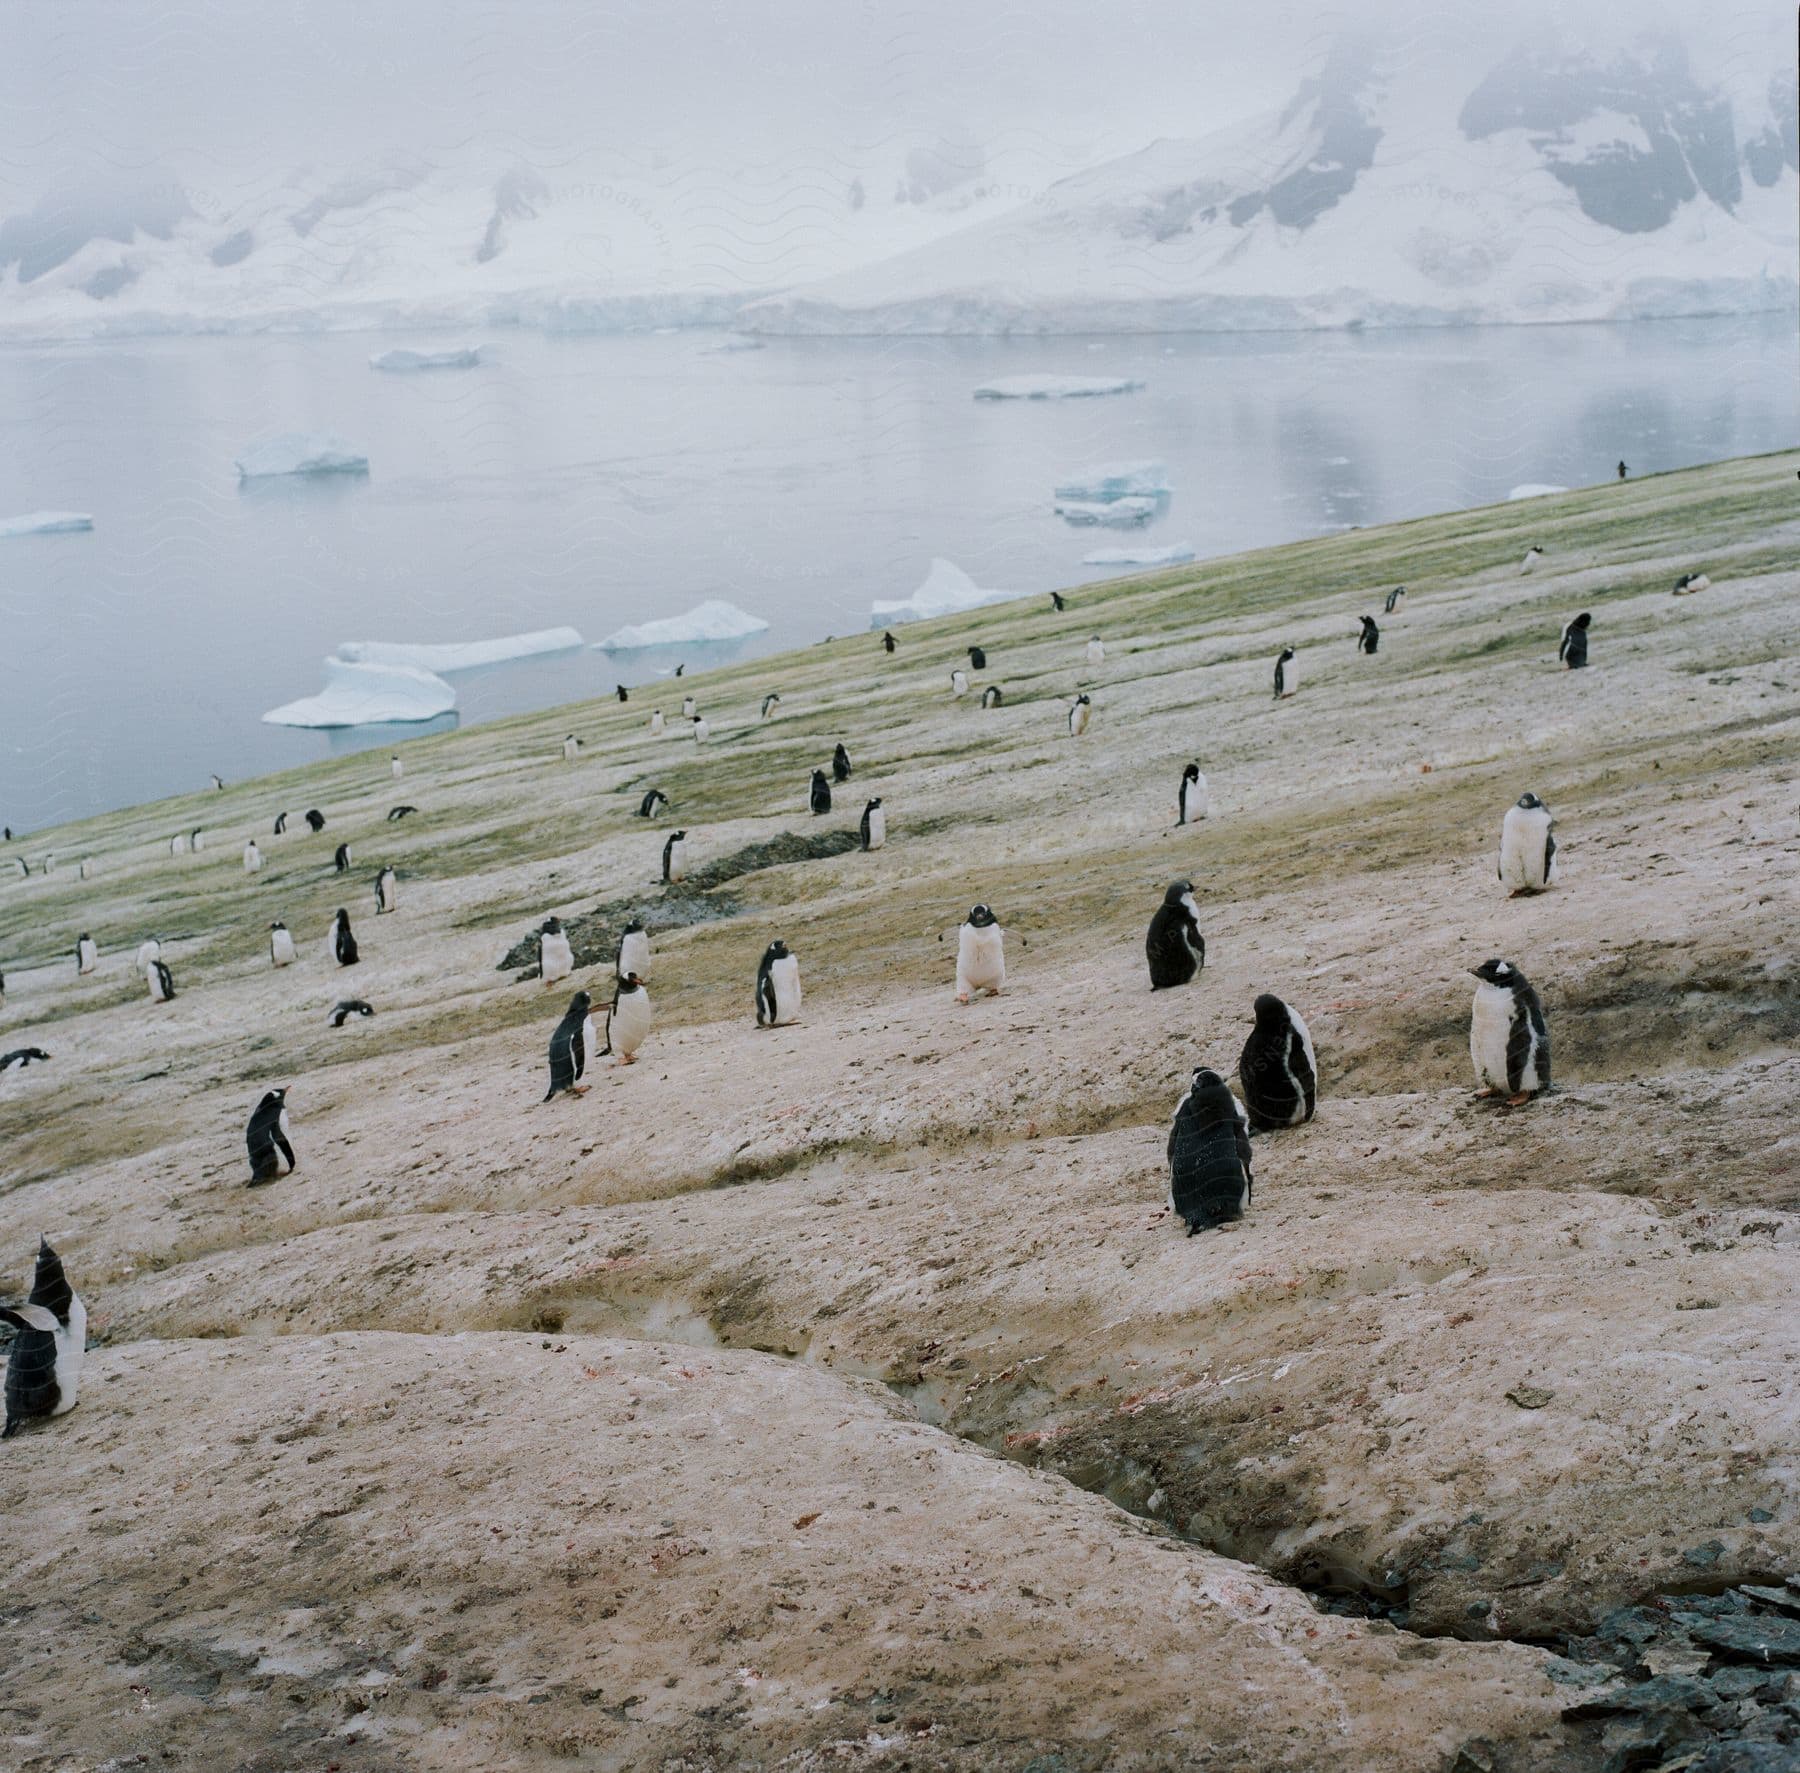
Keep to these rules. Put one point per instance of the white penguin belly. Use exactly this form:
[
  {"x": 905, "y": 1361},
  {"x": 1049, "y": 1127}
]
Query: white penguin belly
[
  {"x": 556, "y": 958},
  {"x": 784, "y": 976},
  {"x": 1522, "y": 835},
  {"x": 677, "y": 861},
  {"x": 877, "y": 829},
  {"x": 631, "y": 1022},
  {"x": 980, "y": 960},
  {"x": 634, "y": 955},
  {"x": 1490, "y": 1028},
  {"x": 71, "y": 1354}
]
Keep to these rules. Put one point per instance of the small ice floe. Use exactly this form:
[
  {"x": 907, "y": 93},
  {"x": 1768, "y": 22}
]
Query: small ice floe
[{"x": 301, "y": 452}]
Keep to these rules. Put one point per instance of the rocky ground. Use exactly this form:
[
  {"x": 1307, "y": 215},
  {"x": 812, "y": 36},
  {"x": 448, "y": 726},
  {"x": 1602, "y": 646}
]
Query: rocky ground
[{"x": 843, "y": 1394}]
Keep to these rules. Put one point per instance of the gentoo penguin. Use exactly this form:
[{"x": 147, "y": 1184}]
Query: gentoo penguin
[
  {"x": 178, "y": 844},
  {"x": 959, "y": 683},
  {"x": 675, "y": 859},
  {"x": 395, "y": 767},
  {"x": 160, "y": 980},
  {"x": 568, "y": 1049},
  {"x": 701, "y": 729},
  {"x": 1056, "y": 601},
  {"x": 1527, "y": 848},
  {"x": 1081, "y": 711},
  {"x": 20, "y": 1057},
  {"x": 348, "y": 1006},
  {"x": 1396, "y": 601},
  {"x": 571, "y": 747},
  {"x": 840, "y": 765},
  {"x": 196, "y": 841},
  {"x": 623, "y": 693},
  {"x": 252, "y": 857},
  {"x": 874, "y": 825},
  {"x": 1533, "y": 555},
  {"x": 341, "y": 860},
  {"x": 43, "y": 1372},
  {"x": 85, "y": 867},
  {"x": 1278, "y": 1069},
  {"x": 992, "y": 696},
  {"x": 50, "y": 859},
  {"x": 1174, "y": 946},
  {"x": 343, "y": 942},
  {"x": 267, "y": 1139},
  {"x": 777, "y": 987},
  {"x": 652, "y": 804},
  {"x": 556, "y": 958},
  {"x": 888, "y": 642},
  {"x": 980, "y": 955},
  {"x": 218, "y": 783},
  {"x": 977, "y": 659},
  {"x": 397, "y": 813},
  {"x": 1623, "y": 471},
  {"x": 770, "y": 703},
  {"x": 689, "y": 707},
  {"x": 1209, "y": 1155},
  {"x": 1096, "y": 650},
  {"x": 281, "y": 945},
  {"x": 1369, "y": 640},
  {"x": 821, "y": 792},
  {"x": 87, "y": 955},
  {"x": 1193, "y": 799},
  {"x": 1689, "y": 583},
  {"x": 1509, "y": 1040},
  {"x": 1573, "y": 650},
  {"x": 387, "y": 890},
  {"x": 628, "y": 1022},
  {"x": 1287, "y": 674},
  {"x": 24, "y": 867},
  {"x": 147, "y": 951},
  {"x": 281, "y": 824},
  {"x": 680, "y": 668},
  {"x": 634, "y": 952},
  {"x": 315, "y": 820},
  {"x": 656, "y": 722}
]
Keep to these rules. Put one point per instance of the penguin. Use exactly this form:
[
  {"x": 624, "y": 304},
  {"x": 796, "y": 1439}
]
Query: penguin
[
  {"x": 1509, "y": 1041},
  {"x": 50, "y": 859},
  {"x": 1527, "y": 847},
  {"x": 977, "y": 659},
  {"x": 196, "y": 842},
  {"x": 397, "y": 813},
  {"x": 1396, "y": 601},
  {"x": 343, "y": 942},
  {"x": 1081, "y": 711},
  {"x": 568, "y": 1049},
  {"x": 992, "y": 696},
  {"x": 634, "y": 953},
  {"x": 281, "y": 824},
  {"x": 24, "y": 867},
  {"x": 777, "y": 987},
  {"x": 1096, "y": 650},
  {"x": 652, "y": 804},
  {"x": 571, "y": 747},
  {"x": 1056, "y": 601},
  {"x": 1533, "y": 555},
  {"x": 770, "y": 703},
  {"x": 624, "y": 694},
  {"x": 689, "y": 707},
  {"x": 628, "y": 1022},
  {"x": 1623, "y": 471},
  {"x": 1174, "y": 946},
  {"x": 959, "y": 683},
  {"x": 1209, "y": 1155},
  {"x": 252, "y": 857},
  {"x": 395, "y": 767},
  {"x": 341, "y": 860},
  {"x": 147, "y": 951},
  {"x": 556, "y": 958},
  {"x": 1689, "y": 583},
  {"x": 43, "y": 1372},
  {"x": 980, "y": 955},
  {"x": 1573, "y": 650},
  {"x": 348, "y": 1006},
  {"x": 87, "y": 955},
  {"x": 840, "y": 765},
  {"x": 674, "y": 864},
  {"x": 281, "y": 945},
  {"x": 1369, "y": 640},
  {"x": 161, "y": 982},
  {"x": 267, "y": 1139},
  {"x": 874, "y": 825},
  {"x": 821, "y": 793},
  {"x": 8, "y": 830},
  {"x": 177, "y": 845},
  {"x": 1278, "y": 1070},
  {"x": 1287, "y": 674},
  {"x": 888, "y": 643},
  {"x": 680, "y": 668},
  {"x": 1192, "y": 798},
  {"x": 218, "y": 783},
  {"x": 84, "y": 868},
  {"x": 315, "y": 821},
  {"x": 387, "y": 890},
  {"x": 701, "y": 729},
  {"x": 656, "y": 722},
  {"x": 20, "y": 1057}
]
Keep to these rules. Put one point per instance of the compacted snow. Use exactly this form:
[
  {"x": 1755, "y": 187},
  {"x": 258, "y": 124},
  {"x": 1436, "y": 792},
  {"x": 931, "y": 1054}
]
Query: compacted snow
[
  {"x": 45, "y": 523},
  {"x": 946, "y": 590},
  {"x": 1533, "y": 490},
  {"x": 301, "y": 452},
  {"x": 361, "y": 695},
  {"x": 467, "y": 655},
  {"x": 711, "y": 620}
]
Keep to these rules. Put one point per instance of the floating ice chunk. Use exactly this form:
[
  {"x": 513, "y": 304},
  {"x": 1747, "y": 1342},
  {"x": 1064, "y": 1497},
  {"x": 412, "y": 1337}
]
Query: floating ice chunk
[
  {"x": 45, "y": 523},
  {"x": 1109, "y": 513},
  {"x": 301, "y": 452},
  {"x": 737, "y": 342},
  {"x": 1054, "y": 387},
  {"x": 711, "y": 620},
  {"x": 1173, "y": 555},
  {"x": 361, "y": 695},
  {"x": 1533, "y": 490},
  {"x": 467, "y": 655},
  {"x": 463, "y": 357},
  {"x": 947, "y": 589},
  {"x": 1117, "y": 480}
]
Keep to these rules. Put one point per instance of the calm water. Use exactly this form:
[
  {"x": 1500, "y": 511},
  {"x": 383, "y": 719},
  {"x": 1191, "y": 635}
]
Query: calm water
[{"x": 599, "y": 481}]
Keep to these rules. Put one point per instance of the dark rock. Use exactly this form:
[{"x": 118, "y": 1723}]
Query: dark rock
[
  {"x": 1704, "y": 1556},
  {"x": 1760, "y": 1516},
  {"x": 1769, "y": 1643},
  {"x": 1663, "y": 1693},
  {"x": 1529, "y": 1397}
]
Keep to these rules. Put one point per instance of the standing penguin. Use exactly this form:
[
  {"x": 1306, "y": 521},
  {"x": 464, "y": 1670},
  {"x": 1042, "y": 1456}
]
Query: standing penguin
[
  {"x": 177, "y": 845},
  {"x": 874, "y": 825},
  {"x": 87, "y": 955},
  {"x": 977, "y": 659},
  {"x": 1081, "y": 711},
  {"x": 1096, "y": 650},
  {"x": 1209, "y": 1155},
  {"x": 840, "y": 764},
  {"x": 1396, "y": 601},
  {"x": 341, "y": 859},
  {"x": 267, "y": 1139},
  {"x": 161, "y": 982},
  {"x": 196, "y": 841},
  {"x": 281, "y": 945},
  {"x": 980, "y": 955},
  {"x": 281, "y": 824},
  {"x": 1174, "y": 946},
  {"x": 1194, "y": 800},
  {"x": 992, "y": 696},
  {"x": 1573, "y": 650},
  {"x": 1533, "y": 555},
  {"x": 343, "y": 942},
  {"x": 43, "y": 1372},
  {"x": 888, "y": 642},
  {"x": 85, "y": 867},
  {"x": 628, "y": 1022},
  {"x": 624, "y": 694},
  {"x": 1369, "y": 640},
  {"x": 1056, "y": 601},
  {"x": 1287, "y": 674},
  {"x": 315, "y": 821},
  {"x": 821, "y": 792},
  {"x": 689, "y": 707},
  {"x": 148, "y": 950},
  {"x": 568, "y": 1049},
  {"x": 387, "y": 890},
  {"x": 674, "y": 866},
  {"x": 571, "y": 747},
  {"x": 701, "y": 729},
  {"x": 252, "y": 857},
  {"x": 556, "y": 959},
  {"x": 395, "y": 767},
  {"x": 652, "y": 804},
  {"x": 656, "y": 721},
  {"x": 634, "y": 952},
  {"x": 679, "y": 669},
  {"x": 1509, "y": 1041},
  {"x": 50, "y": 859},
  {"x": 1623, "y": 471},
  {"x": 24, "y": 867},
  {"x": 777, "y": 987},
  {"x": 1278, "y": 1069},
  {"x": 1689, "y": 583},
  {"x": 770, "y": 703},
  {"x": 959, "y": 683},
  {"x": 1527, "y": 847}
]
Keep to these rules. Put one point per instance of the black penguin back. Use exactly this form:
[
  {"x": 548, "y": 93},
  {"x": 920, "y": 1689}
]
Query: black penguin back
[
  {"x": 1273, "y": 1070},
  {"x": 1209, "y": 1156},
  {"x": 1174, "y": 946}
]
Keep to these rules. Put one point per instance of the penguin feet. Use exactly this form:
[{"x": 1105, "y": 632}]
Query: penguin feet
[
  {"x": 962, "y": 997},
  {"x": 1518, "y": 1101},
  {"x": 577, "y": 1090},
  {"x": 1485, "y": 1095},
  {"x": 628, "y": 1058}
]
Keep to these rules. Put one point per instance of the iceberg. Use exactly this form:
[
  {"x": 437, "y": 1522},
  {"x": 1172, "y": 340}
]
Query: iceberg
[
  {"x": 1173, "y": 555},
  {"x": 465, "y": 357},
  {"x": 1533, "y": 490},
  {"x": 1117, "y": 480},
  {"x": 946, "y": 591},
  {"x": 1054, "y": 387},
  {"x": 711, "y": 620},
  {"x": 362, "y": 695},
  {"x": 467, "y": 655},
  {"x": 45, "y": 523},
  {"x": 1108, "y": 513},
  {"x": 301, "y": 452}
]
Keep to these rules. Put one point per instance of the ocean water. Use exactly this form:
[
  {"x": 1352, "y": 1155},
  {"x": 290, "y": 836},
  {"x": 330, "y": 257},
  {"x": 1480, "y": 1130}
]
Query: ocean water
[{"x": 597, "y": 481}]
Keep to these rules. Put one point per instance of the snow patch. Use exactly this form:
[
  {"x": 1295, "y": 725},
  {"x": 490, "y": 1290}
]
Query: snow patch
[
  {"x": 467, "y": 655},
  {"x": 946, "y": 591},
  {"x": 466, "y": 357},
  {"x": 361, "y": 695},
  {"x": 45, "y": 523},
  {"x": 711, "y": 620},
  {"x": 1534, "y": 490},
  {"x": 301, "y": 452},
  {"x": 1054, "y": 387},
  {"x": 1173, "y": 555}
]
